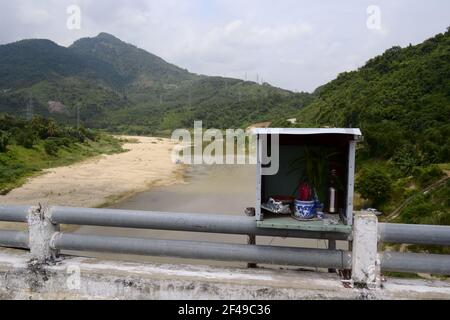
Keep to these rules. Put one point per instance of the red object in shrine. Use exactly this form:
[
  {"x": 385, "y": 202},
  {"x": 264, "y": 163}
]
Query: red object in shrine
[{"x": 305, "y": 193}]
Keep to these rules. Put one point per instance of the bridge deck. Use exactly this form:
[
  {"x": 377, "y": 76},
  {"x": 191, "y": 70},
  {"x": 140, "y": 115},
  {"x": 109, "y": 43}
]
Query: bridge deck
[{"x": 101, "y": 279}]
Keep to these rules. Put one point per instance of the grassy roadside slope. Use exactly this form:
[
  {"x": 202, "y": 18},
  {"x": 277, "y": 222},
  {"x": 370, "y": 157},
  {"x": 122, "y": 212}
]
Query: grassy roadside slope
[
  {"x": 401, "y": 102},
  {"x": 27, "y": 148}
]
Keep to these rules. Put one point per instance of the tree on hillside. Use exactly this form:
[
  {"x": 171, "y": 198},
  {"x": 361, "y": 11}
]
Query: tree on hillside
[
  {"x": 4, "y": 140},
  {"x": 374, "y": 185}
]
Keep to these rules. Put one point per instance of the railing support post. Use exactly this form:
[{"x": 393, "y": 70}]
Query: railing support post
[
  {"x": 365, "y": 262},
  {"x": 41, "y": 231},
  {"x": 251, "y": 238},
  {"x": 332, "y": 246}
]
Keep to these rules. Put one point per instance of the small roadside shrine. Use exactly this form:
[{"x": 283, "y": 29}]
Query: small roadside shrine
[{"x": 305, "y": 178}]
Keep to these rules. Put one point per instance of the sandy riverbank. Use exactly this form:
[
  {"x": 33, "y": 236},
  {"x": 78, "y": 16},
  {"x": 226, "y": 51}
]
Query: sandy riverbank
[{"x": 104, "y": 179}]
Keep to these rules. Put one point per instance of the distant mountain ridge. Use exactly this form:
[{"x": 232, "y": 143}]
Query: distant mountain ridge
[
  {"x": 28, "y": 61},
  {"x": 118, "y": 86},
  {"x": 132, "y": 63},
  {"x": 401, "y": 100}
]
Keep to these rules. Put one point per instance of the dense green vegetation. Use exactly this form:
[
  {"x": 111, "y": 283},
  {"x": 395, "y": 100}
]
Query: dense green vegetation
[
  {"x": 27, "y": 147},
  {"x": 121, "y": 88},
  {"x": 135, "y": 66},
  {"x": 429, "y": 208},
  {"x": 401, "y": 101},
  {"x": 374, "y": 184},
  {"x": 29, "y": 61}
]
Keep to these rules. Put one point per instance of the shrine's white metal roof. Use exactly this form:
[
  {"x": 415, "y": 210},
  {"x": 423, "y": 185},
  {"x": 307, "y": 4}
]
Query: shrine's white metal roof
[{"x": 306, "y": 131}]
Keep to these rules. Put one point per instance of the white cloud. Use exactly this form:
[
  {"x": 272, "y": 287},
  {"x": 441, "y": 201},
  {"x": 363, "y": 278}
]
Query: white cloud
[
  {"x": 296, "y": 44},
  {"x": 239, "y": 32},
  {"x": 244, "y": 36},
  {"x": 28, "y": 13}
]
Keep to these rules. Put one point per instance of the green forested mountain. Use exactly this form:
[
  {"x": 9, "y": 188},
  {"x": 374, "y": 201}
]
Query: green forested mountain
[
  {"x": 119, "y": 87},
  {"x": 401, "y": 101},
  {"x": 135, "y": 66},
  {"x": 26, "y": 62},
  {"x": 28, "y": 146}
]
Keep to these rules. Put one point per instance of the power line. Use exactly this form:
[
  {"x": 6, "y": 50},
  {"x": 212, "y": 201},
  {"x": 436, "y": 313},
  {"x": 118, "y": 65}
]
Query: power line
[
  {"x": 30, "y": 108},
  {"x": 78, "y": 116},
  {"x": 190, "y": 96}
]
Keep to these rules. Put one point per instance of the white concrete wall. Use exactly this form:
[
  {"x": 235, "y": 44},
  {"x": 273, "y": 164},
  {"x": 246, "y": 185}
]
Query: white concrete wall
[
  {"x": 85, "y": 278},
  {"x": 365, "y": 263}
]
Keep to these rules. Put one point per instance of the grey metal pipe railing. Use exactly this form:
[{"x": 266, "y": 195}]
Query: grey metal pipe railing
[
  {"x": 339, "y": 259},
  {"x": 414, "y": 234},
  {"x": 193, "y": 222},
  {"x": 14, "y": 239},
  {"x": 14, "y": 213},
  {"x": 212, "y": 223},
  {"x": 205, "y": 250},
  {"x": 415, "y": 262}
]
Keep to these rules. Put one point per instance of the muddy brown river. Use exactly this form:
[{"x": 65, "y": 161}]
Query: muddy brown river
[{"x": 221, "y": 189}]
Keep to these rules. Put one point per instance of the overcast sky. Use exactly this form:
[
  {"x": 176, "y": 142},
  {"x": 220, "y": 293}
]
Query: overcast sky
[{"x": 294, "y": 44}]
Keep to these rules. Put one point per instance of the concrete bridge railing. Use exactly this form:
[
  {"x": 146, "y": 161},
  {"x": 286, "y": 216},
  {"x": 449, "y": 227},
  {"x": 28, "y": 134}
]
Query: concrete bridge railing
[{"x": 45, "y": 241}]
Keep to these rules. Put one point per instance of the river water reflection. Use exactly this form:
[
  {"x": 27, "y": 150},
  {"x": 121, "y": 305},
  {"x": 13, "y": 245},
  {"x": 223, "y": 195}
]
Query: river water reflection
[{"x": 222, "y": 189}]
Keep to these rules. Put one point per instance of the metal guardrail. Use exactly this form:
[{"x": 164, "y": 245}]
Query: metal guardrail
[
  {"x": 390, "y": 261},
  {"x": 212, "y": 223},
  {"x": 14, "y": 213},
  {"x": 414, "y": 234},
  {"x": 205, "y": 250},
  {"x": 14, "y": 239},
  {"x": 415, "y": 262},
  {"x": 192, "y": 222}
]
